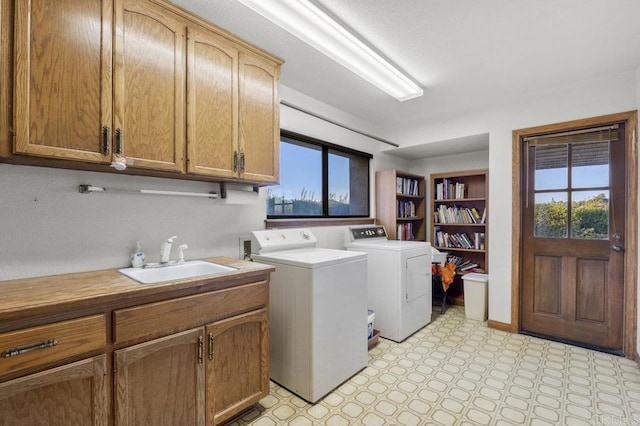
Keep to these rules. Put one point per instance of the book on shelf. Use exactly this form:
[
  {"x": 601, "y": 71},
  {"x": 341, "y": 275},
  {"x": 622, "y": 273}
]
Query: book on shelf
[
  {"x": 407, "y": 186},
  {"x": 459, "y": 240},
  {"x": 484, "y": 216},
  {"x": 463, "y": 264},
  {"x": 406, "y": 208},
  {"x": 456, "y": 214},
  {"x": 478, "y": 240},
  {"x": 467, "y": 266},
  {"x": 404, "y": 231},
  {"x": 449, "y": 190}
]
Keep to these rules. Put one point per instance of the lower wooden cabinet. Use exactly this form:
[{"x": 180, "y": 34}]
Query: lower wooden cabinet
[
  {"x": 74, "y": 394},
  {"x": 196, "y": 356},
  {"x": 238, "y": 364},
  {"x": 162, "y": 382}
]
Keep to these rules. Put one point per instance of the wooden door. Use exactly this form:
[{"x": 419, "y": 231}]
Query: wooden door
[
  {"x": 238, "y": 364},
  {"x": 149, "y": 85},
  {"x": 212, "y": 105},
  {"x": 76, "y": 394},
  {"x": 259, "y": 120},
  {"x": 573, "y": 229},
  {"x": 63, "y": 90},
  {"x": 161, "y": 382}
]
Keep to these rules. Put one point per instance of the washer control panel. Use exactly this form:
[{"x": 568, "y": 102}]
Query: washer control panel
[
  {"x": 366, "y": 232},
  {"x": 281, "y": 239}
]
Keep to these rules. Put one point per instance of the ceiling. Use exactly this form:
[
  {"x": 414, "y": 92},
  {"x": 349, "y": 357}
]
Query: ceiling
[{"x": 466, "y": 54}]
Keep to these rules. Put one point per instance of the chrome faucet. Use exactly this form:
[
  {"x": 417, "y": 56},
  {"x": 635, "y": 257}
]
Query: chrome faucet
[{"x": 165, "y": 250}]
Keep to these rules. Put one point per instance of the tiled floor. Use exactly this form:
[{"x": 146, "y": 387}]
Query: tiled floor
[{"x": 460, "y": 372}]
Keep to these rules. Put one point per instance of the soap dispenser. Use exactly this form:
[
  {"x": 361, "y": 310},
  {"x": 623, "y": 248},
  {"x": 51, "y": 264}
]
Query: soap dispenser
[{"x": 137, "y": 258}]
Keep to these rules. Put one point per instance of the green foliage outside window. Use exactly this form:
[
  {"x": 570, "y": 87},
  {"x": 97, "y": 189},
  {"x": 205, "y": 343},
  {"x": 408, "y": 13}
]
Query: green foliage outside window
[{"x": 589, "y": 219}]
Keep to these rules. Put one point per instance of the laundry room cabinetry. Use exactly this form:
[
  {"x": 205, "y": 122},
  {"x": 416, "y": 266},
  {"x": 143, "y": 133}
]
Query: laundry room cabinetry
[
  {"x": 232, "y": 110},
  {"x": 203, "y": 375},
  {"x": 63, "y": 105},
  {"x": 400, "y": 204},
  {"x": 76, "y": 392},
  {"x": 238, "y": 367},
  {"x": 460, "y": 222},
  {"x": 141, "y": 81},
  {"x": 73, "y": 394}
]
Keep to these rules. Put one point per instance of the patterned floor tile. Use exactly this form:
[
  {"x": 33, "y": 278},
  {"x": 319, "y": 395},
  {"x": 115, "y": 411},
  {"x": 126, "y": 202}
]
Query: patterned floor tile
[{"x": 460, "y": 372}]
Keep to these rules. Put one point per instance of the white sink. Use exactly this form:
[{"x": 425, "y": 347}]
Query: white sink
[{"x": 178, "y": 271}]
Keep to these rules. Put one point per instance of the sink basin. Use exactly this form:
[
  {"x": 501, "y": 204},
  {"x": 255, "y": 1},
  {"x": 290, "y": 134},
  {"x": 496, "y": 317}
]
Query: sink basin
[{"x": 179, "y": 271}]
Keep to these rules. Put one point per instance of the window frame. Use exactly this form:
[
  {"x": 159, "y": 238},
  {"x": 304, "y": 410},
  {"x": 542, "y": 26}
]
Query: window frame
[{"x": 325, "y": 219}]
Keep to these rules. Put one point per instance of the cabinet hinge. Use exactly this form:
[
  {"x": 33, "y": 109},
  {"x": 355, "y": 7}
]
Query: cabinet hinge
[
  {"x": 210, "y": 346},
  {"x": 200, "y": 350}
]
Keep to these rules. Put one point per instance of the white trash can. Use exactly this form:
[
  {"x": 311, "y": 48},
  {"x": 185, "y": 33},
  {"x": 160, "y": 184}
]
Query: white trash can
[{"x": 475, "y": 296}]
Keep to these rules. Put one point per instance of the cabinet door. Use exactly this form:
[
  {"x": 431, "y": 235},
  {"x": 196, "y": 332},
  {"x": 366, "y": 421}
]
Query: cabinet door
[
  {"x": 238, "y": 364},
  {"x": 259, "y": 119},
  {"x": 63, "y": 78},
  {"x": 72, "y": 395},
  {"x": 149, "y": 85},
  {"x": 161, "y": 382},
  {"x": 212, "y": 105}
]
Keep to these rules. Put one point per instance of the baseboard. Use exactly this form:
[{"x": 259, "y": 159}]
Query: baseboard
[{"x": 502, "y": 326}]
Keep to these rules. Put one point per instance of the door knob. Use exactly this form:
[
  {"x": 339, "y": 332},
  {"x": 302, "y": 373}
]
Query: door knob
[{"x": 617, "y": 248}]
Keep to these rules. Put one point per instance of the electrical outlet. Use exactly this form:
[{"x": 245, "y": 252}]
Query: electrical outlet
[{"x": 245, "y": 247}]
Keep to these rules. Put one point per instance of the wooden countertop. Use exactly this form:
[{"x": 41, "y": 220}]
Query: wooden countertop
[{"x": 30, "y": 301}]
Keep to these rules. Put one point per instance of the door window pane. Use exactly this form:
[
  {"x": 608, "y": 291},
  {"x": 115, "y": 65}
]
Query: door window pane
[
  {"x": 551, "y": 215},
  {"x": 590, "y": 215},
  {"x": 348, "y": 184},
  {"x": 551, "y": 167},
  {"x": 300, "y": 189},
  {"x": 590, "y": 165}
]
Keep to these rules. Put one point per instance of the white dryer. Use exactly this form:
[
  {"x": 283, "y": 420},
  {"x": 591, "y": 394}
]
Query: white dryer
[
  {"x": 399, "y": 283},
  {"x": 318, "y": 311}
]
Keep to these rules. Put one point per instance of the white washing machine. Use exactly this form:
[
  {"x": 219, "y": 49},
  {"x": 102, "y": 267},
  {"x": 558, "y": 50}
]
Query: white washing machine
[
  {"x": 399, "y": 286},
  {"x": 318, "y": 311}
]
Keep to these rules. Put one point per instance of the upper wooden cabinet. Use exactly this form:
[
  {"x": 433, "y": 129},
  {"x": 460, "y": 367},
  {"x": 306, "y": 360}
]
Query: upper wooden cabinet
[
  {"x": 149, "y": 85},
  {"x": 259, "y": 119},
  {"x": 62, "y": 87},
  {"x": 232, "y": 110},
  {"x": 172, "y": 94},
  {"x": 212, "y": 105}
]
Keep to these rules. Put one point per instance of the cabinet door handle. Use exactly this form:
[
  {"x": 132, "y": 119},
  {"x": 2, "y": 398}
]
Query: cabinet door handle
[
  {"x": 242, "y": 162},
  {"x": 200, "y": 350},
  {"x": 210, "y": 346},
  {"x": 118, "y": 141},
  {"x": 28, "y": 348},
  {"x": 235, "y": 161},
  {"x": 105, "y": 140}
]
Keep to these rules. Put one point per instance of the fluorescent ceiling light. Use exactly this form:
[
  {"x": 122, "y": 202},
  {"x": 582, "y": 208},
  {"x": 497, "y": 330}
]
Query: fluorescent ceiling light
[{"x": 313, "y": 26}]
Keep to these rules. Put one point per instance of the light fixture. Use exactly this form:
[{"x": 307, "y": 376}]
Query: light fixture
[{"x": 310, "y": 24}]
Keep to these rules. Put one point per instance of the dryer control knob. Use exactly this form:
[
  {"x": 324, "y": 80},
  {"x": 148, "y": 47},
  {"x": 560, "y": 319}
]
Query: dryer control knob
[{"x": 305, "y": 235}]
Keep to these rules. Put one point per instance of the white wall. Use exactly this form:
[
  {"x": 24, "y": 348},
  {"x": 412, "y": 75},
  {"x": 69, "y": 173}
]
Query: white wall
[
  {"x": 48, "y": 227},
  {"x": 615, "y": 93}
]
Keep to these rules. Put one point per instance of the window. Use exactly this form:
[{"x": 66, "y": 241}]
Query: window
[
  {"x": 571, "y": 186},
  {"x": 319, "y": 179}
]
